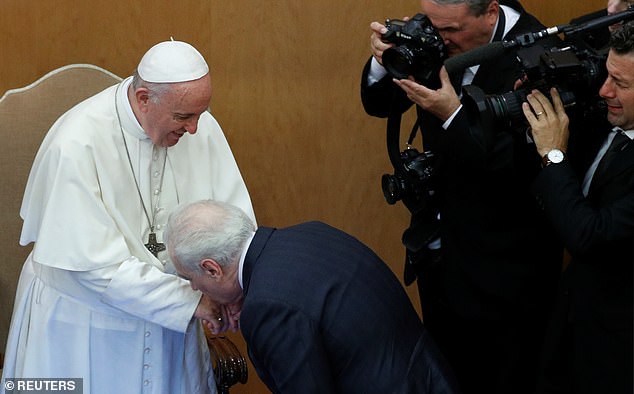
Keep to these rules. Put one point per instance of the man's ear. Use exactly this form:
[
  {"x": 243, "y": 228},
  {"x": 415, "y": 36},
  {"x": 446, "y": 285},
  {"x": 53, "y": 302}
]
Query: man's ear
[
  {"x": 212, "y": 268},
  {"x": 142, "y": 97},
  {"x": 492, "y": 12}
]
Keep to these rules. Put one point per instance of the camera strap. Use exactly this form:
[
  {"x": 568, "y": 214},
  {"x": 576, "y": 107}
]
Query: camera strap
[
  {"x": 424, "y": 223},
  {"x": 393, "y": 141},
  {"x": 393, "y": 144}
]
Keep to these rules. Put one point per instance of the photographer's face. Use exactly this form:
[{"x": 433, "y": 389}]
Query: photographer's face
[
  {"x": 459, "y": 28},
  {"x": 618, "y": 90}
]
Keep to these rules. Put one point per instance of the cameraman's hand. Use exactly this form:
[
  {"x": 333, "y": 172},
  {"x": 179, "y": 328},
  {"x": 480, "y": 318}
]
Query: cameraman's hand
[
  {"x": 549, "y": 122},
  {"x": 441, "y": 103},
  {"x": 377, "y": 46}
]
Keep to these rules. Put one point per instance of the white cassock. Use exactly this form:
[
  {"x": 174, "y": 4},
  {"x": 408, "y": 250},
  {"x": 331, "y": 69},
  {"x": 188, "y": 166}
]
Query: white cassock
[{"x": 92, "y": 301}]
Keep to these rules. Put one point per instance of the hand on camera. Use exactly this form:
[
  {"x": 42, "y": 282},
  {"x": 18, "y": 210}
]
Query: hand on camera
[
  {"x": 441, "y": 103},
  {"x": 549, "y": 122},
  {"x": 377, "y": 46}
]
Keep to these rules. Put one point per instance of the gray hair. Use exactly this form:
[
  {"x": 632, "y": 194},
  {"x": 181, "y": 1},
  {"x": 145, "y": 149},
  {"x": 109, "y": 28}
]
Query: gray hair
[
  {"x": 155, "y": 90},
  {"x": 476, "y": 7},
  {"x": 207, "y": 229}
]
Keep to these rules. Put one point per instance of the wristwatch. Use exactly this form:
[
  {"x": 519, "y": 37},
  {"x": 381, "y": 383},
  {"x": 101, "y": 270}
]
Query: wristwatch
[{"x": 555, "y": 156}]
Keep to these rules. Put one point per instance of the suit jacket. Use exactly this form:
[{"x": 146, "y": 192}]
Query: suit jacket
[
  {"x": 323, "y": 314},
  {"x": 596, "y": 291},
  {"x": 500, "y": 254}
]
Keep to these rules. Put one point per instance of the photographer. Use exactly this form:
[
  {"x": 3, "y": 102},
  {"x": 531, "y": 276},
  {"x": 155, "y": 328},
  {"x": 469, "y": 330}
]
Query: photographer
[
  {"x": 486, "y": 302},
  {"x": 589, "y": 347}
]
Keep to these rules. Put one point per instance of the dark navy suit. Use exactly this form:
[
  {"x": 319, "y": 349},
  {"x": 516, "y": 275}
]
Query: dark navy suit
[{"x": 323, "y": 314}]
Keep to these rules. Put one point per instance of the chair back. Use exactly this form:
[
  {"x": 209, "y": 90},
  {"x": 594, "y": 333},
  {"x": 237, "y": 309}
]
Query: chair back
[{"x": 26, "y": 114}]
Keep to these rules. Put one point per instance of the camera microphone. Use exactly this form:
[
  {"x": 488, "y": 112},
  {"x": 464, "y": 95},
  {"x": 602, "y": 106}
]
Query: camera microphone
[
  {"x": 490, "y": 51},
  {"x": 497, "y": 48},
  {"x": 473, "y": 57},
  {"x": 601, "y": 22}
]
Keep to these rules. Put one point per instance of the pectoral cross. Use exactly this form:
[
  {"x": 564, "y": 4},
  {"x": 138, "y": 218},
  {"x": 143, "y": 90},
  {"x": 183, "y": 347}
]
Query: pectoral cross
[{"x": 153, "y": 246}]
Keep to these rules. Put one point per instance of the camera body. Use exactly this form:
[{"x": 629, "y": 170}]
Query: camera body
[
  {"x": 419, "y": 50},
  {"x": 414, "y": 184},
  {"x": 576, "y": 73}
]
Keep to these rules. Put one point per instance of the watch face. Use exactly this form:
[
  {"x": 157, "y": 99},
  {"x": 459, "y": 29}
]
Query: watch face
[{"x": 555, "y": 156}]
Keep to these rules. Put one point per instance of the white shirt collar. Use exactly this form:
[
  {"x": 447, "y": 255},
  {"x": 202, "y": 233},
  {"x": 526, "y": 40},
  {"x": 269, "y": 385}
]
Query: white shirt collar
[
  {"x": 242, "y": 257},
  {"x": 511, "y": 17},
  {"x": 629, "y": 133}
]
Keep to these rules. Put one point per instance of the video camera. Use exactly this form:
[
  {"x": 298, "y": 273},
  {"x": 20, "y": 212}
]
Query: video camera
[
  {"x": 577, "y": 73},
  {"x": 577, "y": 70}
]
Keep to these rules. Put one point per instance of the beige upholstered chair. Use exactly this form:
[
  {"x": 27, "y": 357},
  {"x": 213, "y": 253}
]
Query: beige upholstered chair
[{"x": 26, "y": 114}]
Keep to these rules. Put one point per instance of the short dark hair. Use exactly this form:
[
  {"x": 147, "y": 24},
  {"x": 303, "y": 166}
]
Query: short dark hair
[{"x": 622, "y": 39}]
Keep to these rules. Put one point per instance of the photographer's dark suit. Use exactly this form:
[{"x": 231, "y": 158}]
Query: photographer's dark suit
[
  {"x": 486, "y": 304},
  {"x": 323, "y": 314},
  {"x": 589, "y": 348}
]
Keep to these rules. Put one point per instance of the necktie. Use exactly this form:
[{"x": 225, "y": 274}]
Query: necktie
[{"x": 618, "y": 143}]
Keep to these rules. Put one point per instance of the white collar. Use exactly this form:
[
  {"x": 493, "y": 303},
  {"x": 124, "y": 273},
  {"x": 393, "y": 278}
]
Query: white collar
[
  {"x": 129, "y": 122},
  {"x": 242, "y": 258},
  {"x": 629, "y": 133},
  {"x": 511, "y": 17}
]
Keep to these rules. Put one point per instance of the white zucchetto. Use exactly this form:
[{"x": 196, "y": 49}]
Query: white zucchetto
[{"x": 172, "y": 61}]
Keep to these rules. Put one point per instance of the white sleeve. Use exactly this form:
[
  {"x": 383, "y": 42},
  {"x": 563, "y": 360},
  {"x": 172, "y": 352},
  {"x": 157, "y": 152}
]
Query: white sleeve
[
  {"x": 376, "y": 73},
  {"x": 144, "y": 291},
  {"x": 451, "y": 118}
]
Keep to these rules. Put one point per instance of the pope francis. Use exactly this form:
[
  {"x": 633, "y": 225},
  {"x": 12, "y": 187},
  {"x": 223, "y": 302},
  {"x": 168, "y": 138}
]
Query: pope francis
[{"x": 97, "y": 298}]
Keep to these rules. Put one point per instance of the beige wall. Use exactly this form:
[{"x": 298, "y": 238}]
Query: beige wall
[{"x": 285, "y": 76}]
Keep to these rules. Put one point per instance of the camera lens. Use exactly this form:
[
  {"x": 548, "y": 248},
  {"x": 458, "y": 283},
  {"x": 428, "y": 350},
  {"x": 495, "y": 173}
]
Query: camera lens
[
  {"x": 507, "y": 106},
  {"x": 399, "y": 61},
  {"x": 392, "y": 188}
]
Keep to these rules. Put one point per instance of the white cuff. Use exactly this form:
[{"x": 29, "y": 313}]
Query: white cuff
[
  {"x": 376, "y": 73},
  {"x": 448, "y": 121}
]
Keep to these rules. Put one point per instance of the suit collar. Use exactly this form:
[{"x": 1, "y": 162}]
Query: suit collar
[
  {"x": 258, "y": 243},
  {"x": 513, "y": 4},
  {"x": 622, "y": 161}
]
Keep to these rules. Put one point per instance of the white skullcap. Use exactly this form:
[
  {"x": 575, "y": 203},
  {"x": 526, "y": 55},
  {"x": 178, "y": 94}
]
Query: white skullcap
[{"x": 172, "y": 61}]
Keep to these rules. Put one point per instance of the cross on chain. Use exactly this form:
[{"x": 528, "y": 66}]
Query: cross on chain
[{"x": 153, "y": 246}]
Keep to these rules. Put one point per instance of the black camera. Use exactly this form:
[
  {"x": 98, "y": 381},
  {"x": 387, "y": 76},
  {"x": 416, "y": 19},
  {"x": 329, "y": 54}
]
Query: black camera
[
  {"x": 576, "y": 73},
  {"x": 414, "y": 183},
  {"x": 419, "y": 51}
]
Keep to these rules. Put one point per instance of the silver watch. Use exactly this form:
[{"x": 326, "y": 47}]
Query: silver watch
[{"x": 555, "y": 156}]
